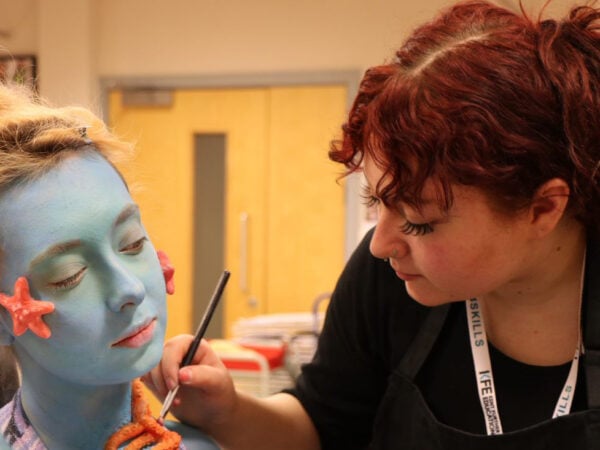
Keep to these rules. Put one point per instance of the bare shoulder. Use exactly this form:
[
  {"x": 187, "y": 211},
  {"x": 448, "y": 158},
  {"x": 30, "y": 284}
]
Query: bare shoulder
[{"x": 193, "y": 439}]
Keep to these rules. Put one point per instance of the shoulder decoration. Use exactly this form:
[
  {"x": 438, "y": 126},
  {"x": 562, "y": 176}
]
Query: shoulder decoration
[{"x": 144, "y": 430}]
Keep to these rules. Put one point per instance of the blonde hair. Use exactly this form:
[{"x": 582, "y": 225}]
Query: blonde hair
[{"x": 35, "y": 136}]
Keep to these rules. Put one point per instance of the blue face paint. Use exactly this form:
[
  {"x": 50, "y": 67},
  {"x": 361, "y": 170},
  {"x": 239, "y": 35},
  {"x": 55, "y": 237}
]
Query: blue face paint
[{"x": 76, "y": 234}]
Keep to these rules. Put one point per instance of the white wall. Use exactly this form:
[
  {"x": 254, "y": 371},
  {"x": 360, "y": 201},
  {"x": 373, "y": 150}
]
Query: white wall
[
  {"x": 79, "y": 41},
  {"x": 18, "y": 26},
  {"x": 67, "y": 52},
  {"x": 231, "y": 36}
]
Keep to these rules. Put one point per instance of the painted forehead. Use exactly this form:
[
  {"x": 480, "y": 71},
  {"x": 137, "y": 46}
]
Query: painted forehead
[
  {"x": 69, "y": 173},
  {"x": 82, "y": 194}
]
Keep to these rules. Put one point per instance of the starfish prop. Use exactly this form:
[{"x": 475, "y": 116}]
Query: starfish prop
[
  {"x": 168, "y": 271},
  {"x": 27, "y": 312},
  {"x": 144, "y": 429}
]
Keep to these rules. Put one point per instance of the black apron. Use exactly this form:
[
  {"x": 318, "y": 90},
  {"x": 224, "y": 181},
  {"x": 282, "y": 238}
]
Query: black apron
[{"x": 404, "y": 421}]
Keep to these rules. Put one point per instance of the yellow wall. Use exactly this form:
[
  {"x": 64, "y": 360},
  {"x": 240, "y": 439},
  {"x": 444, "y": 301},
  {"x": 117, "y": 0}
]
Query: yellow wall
[{"x": 277, "y": 172}]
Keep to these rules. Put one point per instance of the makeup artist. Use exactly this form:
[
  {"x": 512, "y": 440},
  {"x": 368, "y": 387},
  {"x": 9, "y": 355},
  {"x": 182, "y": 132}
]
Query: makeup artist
[{"x": 469, "y": 318}]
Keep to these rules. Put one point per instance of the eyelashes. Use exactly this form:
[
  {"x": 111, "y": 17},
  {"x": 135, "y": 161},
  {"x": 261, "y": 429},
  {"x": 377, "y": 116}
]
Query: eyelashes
[
  {"x": 416, "y": 229},
  {"x": 69, "y": 281},
  {"x": 408, "y": 228},
  {"x": 368, "y": 199},
  {"x": 135, "y": 247}
]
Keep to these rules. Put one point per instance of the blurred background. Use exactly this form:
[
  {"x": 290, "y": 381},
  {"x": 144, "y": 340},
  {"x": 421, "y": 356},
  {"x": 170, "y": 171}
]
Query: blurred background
[{"x": 232, "y": 104}]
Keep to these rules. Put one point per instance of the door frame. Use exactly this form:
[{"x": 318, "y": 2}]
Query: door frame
[{"x": 348, "y": 78}]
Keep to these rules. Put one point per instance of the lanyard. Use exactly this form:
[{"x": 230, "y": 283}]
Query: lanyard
[{"x": 485, "y": 378}]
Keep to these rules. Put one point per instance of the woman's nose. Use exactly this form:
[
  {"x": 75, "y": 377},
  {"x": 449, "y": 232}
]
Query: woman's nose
[
  {"x": 387, "y": 241},
  {"x": 125, "y": 287}
]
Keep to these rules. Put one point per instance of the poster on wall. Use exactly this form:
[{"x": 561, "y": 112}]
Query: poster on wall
[{"x": 20, "y": 69}]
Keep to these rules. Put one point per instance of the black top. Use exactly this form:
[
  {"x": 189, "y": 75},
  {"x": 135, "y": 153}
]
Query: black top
[
  {"x": 370, "y": 323},
  {"x": 526, "y": 394}
]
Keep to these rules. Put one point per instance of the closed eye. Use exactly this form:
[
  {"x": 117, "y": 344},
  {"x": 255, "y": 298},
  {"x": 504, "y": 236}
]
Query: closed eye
[
  {"x": 369, "y": 200},
  {"x": 416, "y": 229},
  {"x": 69, "y": 282},
  {"x": 135, "y": 247}
]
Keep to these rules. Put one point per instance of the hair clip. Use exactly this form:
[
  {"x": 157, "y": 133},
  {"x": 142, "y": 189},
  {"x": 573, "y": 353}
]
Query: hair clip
[
  {"x": 83, "y": 134},
  {"x": 27, "y": 312}
]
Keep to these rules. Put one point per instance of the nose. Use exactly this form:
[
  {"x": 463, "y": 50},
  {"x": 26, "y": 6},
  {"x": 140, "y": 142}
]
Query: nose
[
  {"x": 126, "y": 289},
  {"x": 388, "y": 241}
]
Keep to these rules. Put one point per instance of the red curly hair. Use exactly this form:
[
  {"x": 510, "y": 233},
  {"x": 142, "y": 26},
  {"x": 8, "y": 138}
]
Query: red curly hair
[{"x": 484, "y": 97}]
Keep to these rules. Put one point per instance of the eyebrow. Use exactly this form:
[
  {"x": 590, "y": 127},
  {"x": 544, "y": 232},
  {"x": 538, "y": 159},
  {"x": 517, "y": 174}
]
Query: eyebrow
[
  {"x": 55, "y": 250},
  {"x": 126, "y": 213}
]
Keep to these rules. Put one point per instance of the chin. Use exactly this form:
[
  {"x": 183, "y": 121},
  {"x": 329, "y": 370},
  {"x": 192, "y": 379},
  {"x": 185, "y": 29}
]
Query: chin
[
  {"x": 150, "y": 358},
  {"x": 140, "y": 363},
  {"x": 431, "y": 297}
]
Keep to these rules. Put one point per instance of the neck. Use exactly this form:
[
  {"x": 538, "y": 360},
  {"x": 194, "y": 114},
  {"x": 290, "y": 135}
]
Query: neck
[
  {"x": 536, "y": 319},
  {"x": 67, "y": 414}
]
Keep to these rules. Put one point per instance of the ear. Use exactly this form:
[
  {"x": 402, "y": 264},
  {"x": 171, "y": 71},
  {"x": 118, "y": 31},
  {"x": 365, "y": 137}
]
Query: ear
[
  {"x": 168, "y": 271},
  {"x": 548, "y": 205}
]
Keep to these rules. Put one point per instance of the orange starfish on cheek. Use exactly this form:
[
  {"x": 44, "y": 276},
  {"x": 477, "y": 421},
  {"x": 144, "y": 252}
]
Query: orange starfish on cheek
[{"x": 26, "y": 312}]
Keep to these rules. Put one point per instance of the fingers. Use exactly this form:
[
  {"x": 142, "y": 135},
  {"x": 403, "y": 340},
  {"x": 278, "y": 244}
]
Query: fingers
[
  {"x": 205, "y": 381},
  {"x": 204, "y": 377},
  {"x": 161, "y": 379},
  {"x": 206, "y": 355},
  {"x": 169, "y": 372},
  {"x": 173, "y": 354},
  {"x": 205, "y": 370}
]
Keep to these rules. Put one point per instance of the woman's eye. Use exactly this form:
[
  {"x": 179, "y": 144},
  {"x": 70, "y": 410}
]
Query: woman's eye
[
  {"x": 69, "y": 282},
  {"x": 368, "y": 199},
  {"x": 134, "y": 248},
  {"x": 416, "y": 229}
]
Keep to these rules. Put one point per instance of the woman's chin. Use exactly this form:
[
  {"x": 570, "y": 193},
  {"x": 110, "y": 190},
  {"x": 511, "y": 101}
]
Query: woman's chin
[{"x": 431, "y": 298}]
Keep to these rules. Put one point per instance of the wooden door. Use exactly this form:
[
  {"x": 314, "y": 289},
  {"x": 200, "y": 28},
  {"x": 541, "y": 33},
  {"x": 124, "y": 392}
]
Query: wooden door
[
  {"x": 284, "y": 211},
  {"x": 305, "y": 251}
]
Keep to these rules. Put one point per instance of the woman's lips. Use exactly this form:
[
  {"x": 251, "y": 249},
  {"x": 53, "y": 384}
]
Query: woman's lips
[
  {"x": 406, "y": 276},
  {"x": 139, "y": 336},
  {"x": 402, "y": 275}
]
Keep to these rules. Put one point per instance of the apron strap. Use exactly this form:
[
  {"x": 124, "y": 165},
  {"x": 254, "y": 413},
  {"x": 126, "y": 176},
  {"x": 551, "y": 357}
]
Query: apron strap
[
  {"x": 421, "y": 345},
  {"x": 591, "y": 326}
]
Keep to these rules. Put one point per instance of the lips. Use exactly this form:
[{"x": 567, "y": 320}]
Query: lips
[
  {"x": 138, "y": 337},
  {"x": 404, "y": 276}
]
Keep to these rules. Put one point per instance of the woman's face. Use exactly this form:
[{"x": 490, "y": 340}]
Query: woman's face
[
  {"x": 469, "y": 251},
  {"x": 76, "y": 235}
]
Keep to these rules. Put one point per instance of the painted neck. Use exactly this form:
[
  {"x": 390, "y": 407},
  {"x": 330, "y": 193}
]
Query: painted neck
[{"x": 67, "y": 414}]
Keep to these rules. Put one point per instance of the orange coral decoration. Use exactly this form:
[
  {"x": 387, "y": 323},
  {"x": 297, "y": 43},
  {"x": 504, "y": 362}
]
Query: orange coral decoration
[
  {"x": 168, "y": 271},
  {"x": 145, "y": 429},
  {"x": 27, "y": 312}
]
